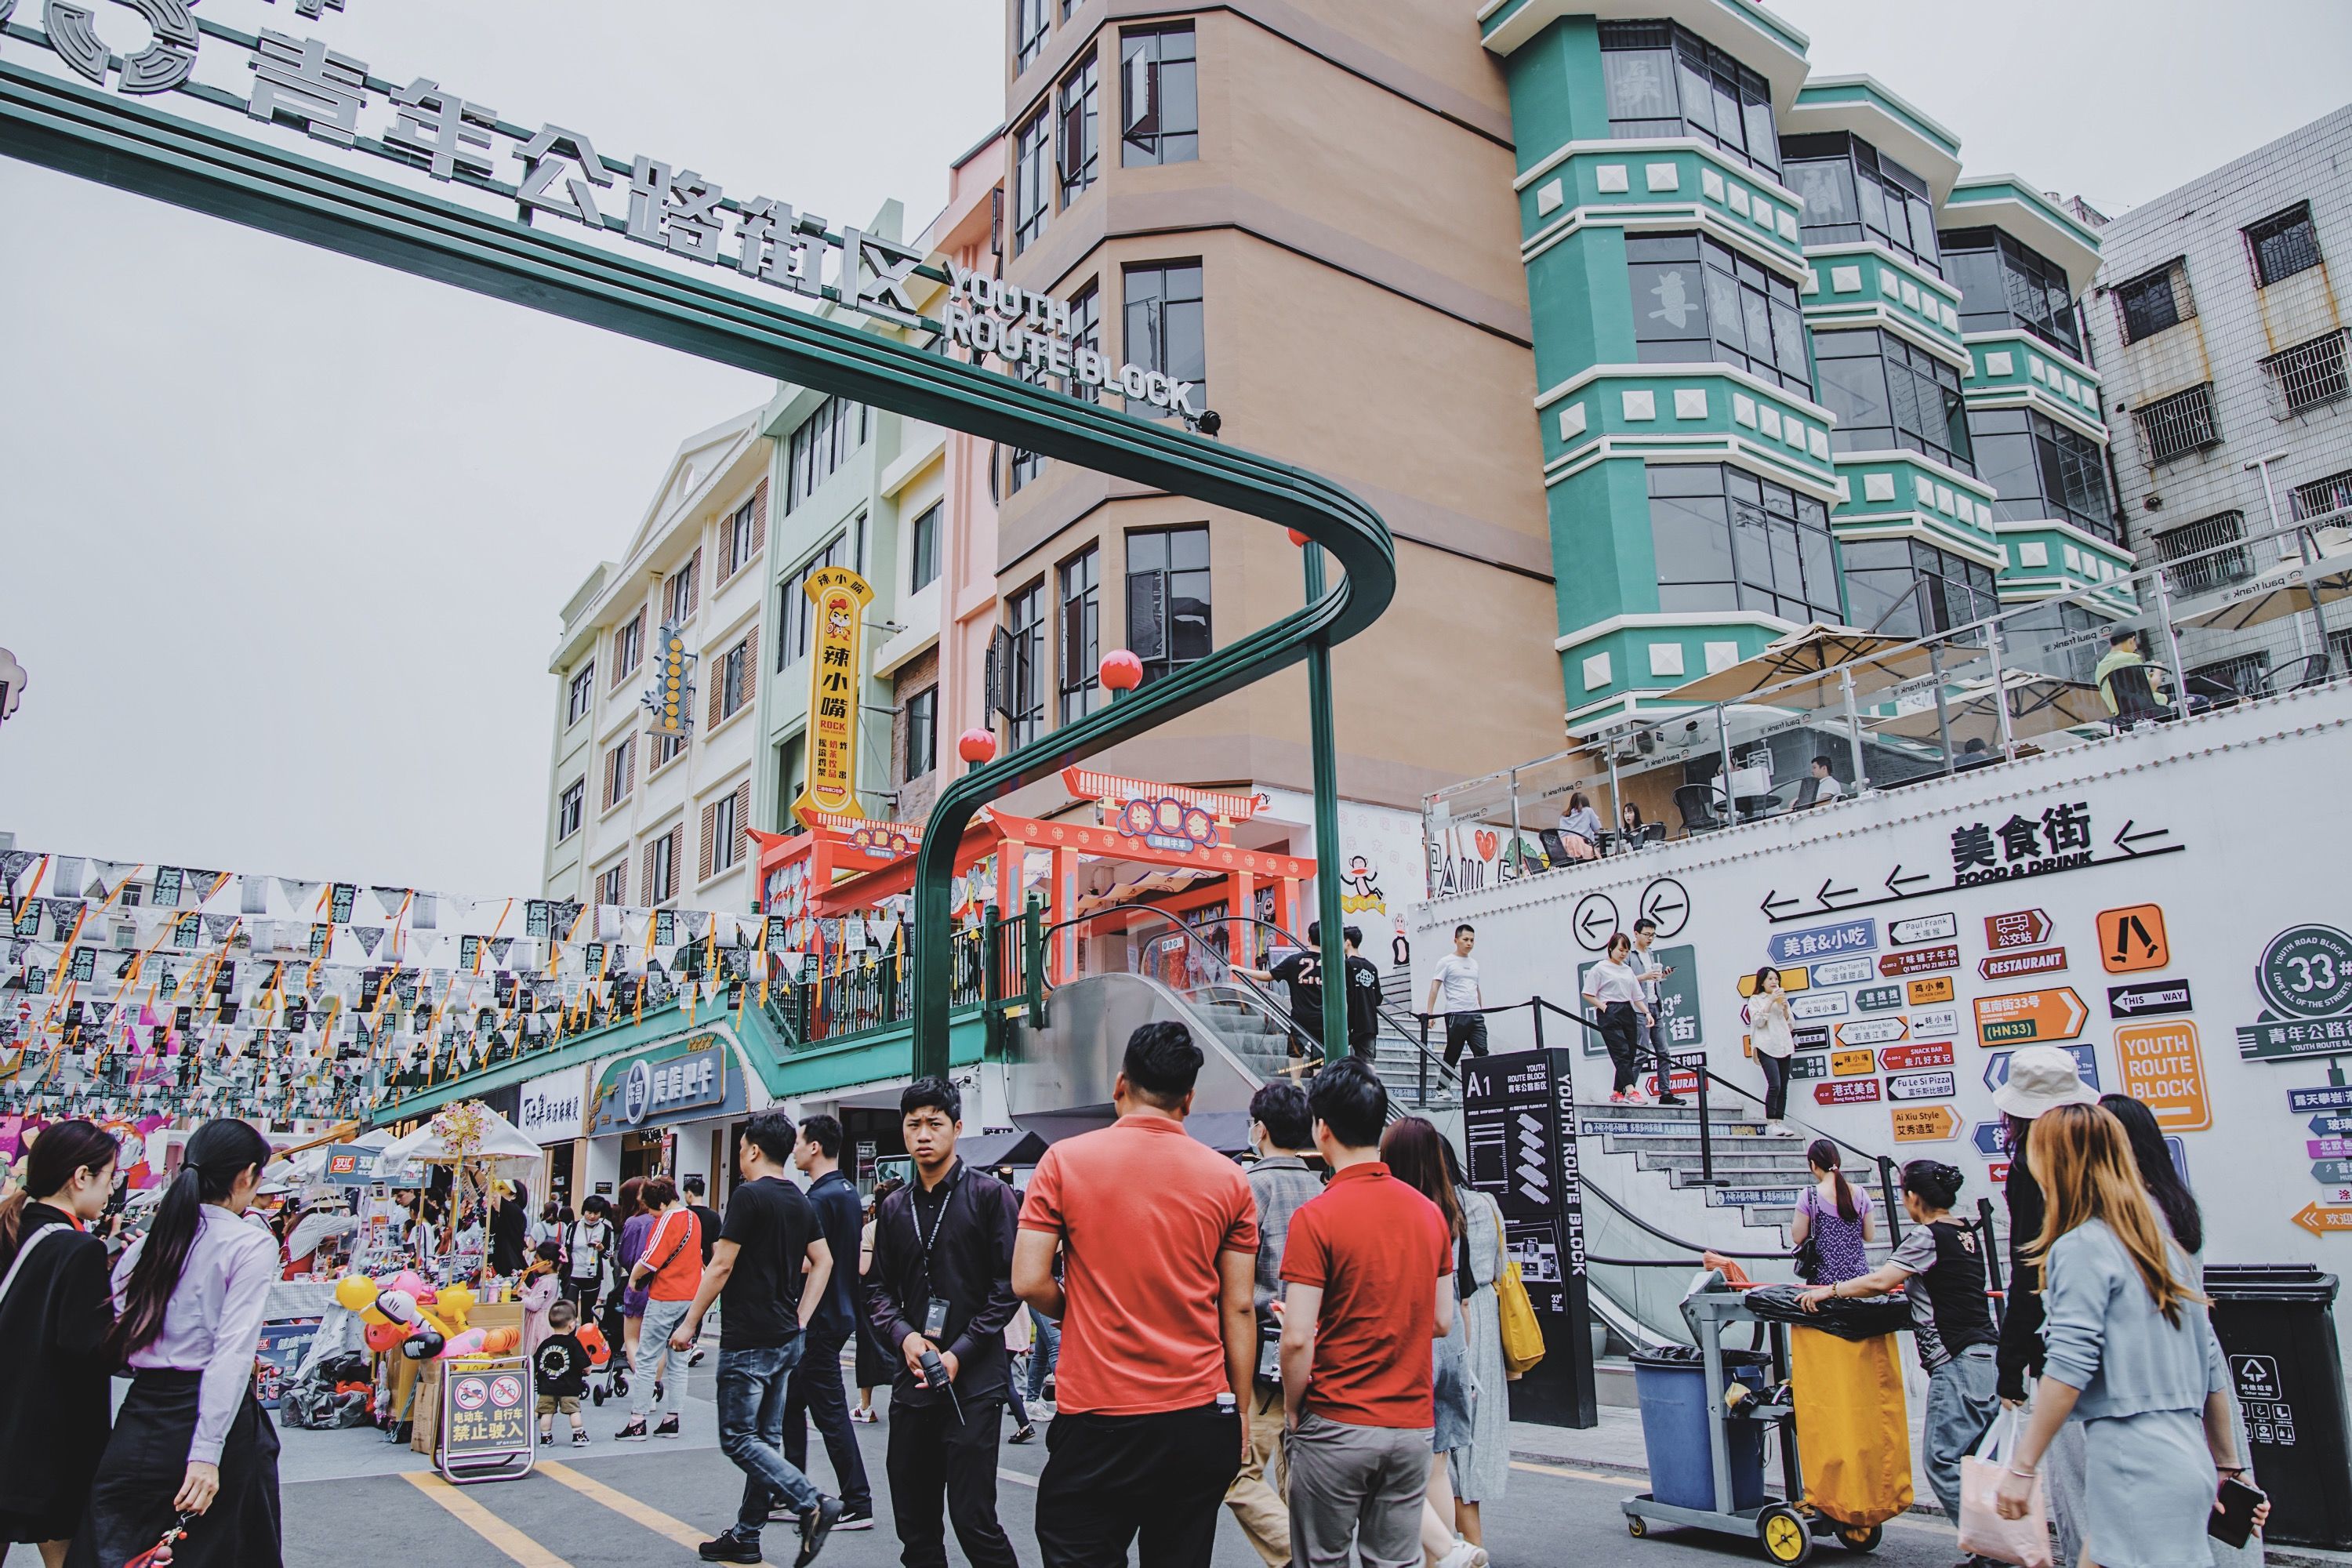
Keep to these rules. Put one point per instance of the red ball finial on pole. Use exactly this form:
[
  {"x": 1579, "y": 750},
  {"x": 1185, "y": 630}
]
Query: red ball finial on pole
[
  {"x": 1121, "y": 670},
  {"x": 976, "y": 746}
]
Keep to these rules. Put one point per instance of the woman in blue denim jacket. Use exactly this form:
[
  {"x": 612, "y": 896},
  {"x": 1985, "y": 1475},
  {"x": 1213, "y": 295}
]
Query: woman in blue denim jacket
[{"x": 2131, "y": 1355}]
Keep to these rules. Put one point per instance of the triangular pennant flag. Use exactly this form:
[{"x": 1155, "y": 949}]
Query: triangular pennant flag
[
  {"x": 300, "y": 894},
  {"x": 217, "y": 926},
  {"x": 369, "y": 936},
  {"x": 499, "y": 946}
]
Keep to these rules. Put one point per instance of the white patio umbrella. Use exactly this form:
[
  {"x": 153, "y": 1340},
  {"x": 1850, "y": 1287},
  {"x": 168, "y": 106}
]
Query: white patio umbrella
[
  {"x": 501, "y": 1141},
  {"x": 2286, "y": 589}
]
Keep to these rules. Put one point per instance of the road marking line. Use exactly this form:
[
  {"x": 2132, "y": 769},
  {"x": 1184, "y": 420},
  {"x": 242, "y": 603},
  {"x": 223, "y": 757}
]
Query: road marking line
[
  {"x": 625, "y": 1505},
  {"x": 526, "y": 1552},
  {"x": 1018, "y": 1477},
  {"x": 1601, "y": 1476}
]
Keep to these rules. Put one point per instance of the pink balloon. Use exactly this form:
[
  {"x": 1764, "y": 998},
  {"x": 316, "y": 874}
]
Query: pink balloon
[{"x": 467, "y": 1343}]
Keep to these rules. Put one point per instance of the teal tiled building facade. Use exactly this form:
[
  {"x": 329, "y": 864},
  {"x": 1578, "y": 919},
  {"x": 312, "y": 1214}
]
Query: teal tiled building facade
[{"x": 1793, "y": 365}]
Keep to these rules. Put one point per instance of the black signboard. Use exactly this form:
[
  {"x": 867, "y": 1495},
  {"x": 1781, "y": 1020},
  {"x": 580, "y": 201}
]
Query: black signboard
[{"x": 1519, "y": 1135}]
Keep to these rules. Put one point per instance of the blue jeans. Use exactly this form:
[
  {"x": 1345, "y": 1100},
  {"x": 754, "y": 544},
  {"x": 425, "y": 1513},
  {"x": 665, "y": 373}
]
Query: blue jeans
[
  {"x": 1961, "y": 1404},
  {"x": 751, "y": 1385},
  {"x": 1045, "y": 1354}
]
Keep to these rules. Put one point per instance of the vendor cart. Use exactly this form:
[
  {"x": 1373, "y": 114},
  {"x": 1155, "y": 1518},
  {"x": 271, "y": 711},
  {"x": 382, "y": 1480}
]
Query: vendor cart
[{"x": 1784, "y": 1526}]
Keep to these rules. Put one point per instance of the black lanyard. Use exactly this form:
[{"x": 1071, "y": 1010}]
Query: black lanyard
[{"x": 915, "y": 1220}]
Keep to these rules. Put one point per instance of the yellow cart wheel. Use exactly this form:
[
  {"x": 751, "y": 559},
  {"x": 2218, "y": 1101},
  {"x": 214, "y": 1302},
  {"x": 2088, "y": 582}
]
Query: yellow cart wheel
[
  {"x": 1781, "y": 1531},
  {"x": 1637, "y": 1526}
]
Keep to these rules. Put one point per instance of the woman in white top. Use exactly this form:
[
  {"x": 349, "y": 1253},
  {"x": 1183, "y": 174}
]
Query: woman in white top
[
  {"x": 1615, "y": 992},
  {"x": 1773, "y": 1033},
  {"x": 190, "y": 1437}
]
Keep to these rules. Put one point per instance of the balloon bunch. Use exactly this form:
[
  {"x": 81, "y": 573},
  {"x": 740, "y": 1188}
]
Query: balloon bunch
[{"x": 396, "y": 1314}]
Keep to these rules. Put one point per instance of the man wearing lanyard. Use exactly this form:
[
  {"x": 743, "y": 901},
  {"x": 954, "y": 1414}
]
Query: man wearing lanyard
[
  {"x": 1645, "y": 936},
  {"x": 940, "y": 1289}
]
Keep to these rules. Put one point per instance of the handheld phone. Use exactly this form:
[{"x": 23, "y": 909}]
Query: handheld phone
[{"x": 2233, "y": 1520}]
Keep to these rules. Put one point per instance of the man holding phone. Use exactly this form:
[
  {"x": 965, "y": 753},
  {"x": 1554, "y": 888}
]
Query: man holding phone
[
  {"x": 1651, "y": 972},
  {"x": 940, "y": 1295}
]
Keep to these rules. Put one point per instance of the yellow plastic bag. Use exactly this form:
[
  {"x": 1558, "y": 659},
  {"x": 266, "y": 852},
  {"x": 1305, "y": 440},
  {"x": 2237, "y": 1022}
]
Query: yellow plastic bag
[
  {"x": 1523, "y": 1343},
  {"x": 1853, "y": 1432}
]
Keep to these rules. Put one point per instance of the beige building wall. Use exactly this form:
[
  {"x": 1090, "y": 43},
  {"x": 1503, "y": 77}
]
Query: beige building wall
[{"x": 1366, "y": 317}]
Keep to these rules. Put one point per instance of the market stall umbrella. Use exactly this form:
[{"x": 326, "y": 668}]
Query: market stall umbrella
[
  {"x": 501, "y": 1141},
  {"x": 1818, "y": 651},
  {"x": 2287, "y": 589}
]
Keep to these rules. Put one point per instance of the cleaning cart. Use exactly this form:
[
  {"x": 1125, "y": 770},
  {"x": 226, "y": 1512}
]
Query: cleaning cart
[{"x": 1738, "y": 1400}]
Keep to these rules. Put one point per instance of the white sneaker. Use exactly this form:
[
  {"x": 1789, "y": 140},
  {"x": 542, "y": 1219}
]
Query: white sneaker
[
  {"x": 1464, "y": 1555},
  {"x": 1783, "y": 1130}
]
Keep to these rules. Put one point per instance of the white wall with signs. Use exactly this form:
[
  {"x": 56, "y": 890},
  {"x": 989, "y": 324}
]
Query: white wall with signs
[{"x": 2170, "y": 905}]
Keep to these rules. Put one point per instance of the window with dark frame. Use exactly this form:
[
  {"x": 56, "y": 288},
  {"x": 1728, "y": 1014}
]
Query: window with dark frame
[
  {"x": 1029, "y": 23},
  {"x": 923, "y": 547},
  {"x": 2004, "y": 284},
  {"x": 1080, "y": 686},
  {"x": 741, "y": 533},
  {"x": 823, "y": 441},
  {"x": 1889, "y": 395},
  {"x": 663, "y": 868},
  {"x": 1024, "y": 623},
  {"x": 922, "y": 733},
  {"x": 1086, "y": 333},
  {"x": 1159, "y": 100},
  {"x": 2039, "y": 468},
  {"x": 678, "y": 594},
  {"x": 1168, "y": 602},
  {"x": 620, "y": 772},
  {"x": 613, "y": 884},
  {"x": 1725, "y": 540},
  {"x": 1032, "y": 180},
  {"x": 2174, "y": 426},
  {"x": 2154, "y": 302},
  {"x": 1077, "y": 134},
  {"x": 2205, "y": 554},
  {"x": 667, "y": 748},
  {"x": 734, "y": 668},
  {"x": 2308, "y": 375},
  {"x": 1696, "y": 301},
  {"x": 795, "y": 612},
  {"x": 2283, "y": 245},
  {"x": 628, "y": 646},
  {"x": 581, "y": 695},
  {"x": 2323, "y": 497},
  {"x": 568, "y": 809},
  {"x": 726, "y": 834},
  {"x": 1904, "y": 588},
  {"x": 1663, "y": 80},
  {"x": 1852, "y": 192},
  {"x": 1167, "y": 328}
]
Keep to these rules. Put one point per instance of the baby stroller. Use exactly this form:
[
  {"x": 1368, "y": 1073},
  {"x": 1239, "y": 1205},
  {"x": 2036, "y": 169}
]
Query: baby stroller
[{"x": 608, "y": 1370}]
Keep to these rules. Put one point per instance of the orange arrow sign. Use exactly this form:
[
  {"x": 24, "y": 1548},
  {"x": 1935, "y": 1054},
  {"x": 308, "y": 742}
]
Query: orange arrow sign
[
  {"x": 1928, "y": 1124},
  {"x": 2321, "y": 1218},
  {"x": 2031, "y": 1017}
]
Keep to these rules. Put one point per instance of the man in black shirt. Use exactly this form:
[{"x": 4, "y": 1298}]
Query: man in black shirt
[
  {"x": 942, "y": 1282},
  {"x": 756, "y": 1269},
  {"x": 1364, "y": 997},
  {"x": 1302, "y": 970},
  {"x": 704, "y": 1215},
  {"x": 815, "y": 1393}
]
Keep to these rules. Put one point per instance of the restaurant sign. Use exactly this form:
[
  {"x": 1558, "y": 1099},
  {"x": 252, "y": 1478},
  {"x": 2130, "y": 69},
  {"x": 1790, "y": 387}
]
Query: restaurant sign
[
  {"x": 837, "y": 601},
  {"x": 684, "y": 1080}
]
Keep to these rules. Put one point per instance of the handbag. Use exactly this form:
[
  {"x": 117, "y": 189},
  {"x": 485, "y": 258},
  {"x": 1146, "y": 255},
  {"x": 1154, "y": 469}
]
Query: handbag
[
  {"x": 2024, "y": 1541},
  {"x": 1808, "y": 1255},
  {"x": 1523, "y": 1341}
]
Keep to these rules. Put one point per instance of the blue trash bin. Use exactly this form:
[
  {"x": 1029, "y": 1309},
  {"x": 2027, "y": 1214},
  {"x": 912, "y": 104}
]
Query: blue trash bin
[{"x": 1674, "y": 1399}]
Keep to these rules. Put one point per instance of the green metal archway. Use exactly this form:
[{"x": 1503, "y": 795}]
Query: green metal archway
[{"x": 128, "y": 142}]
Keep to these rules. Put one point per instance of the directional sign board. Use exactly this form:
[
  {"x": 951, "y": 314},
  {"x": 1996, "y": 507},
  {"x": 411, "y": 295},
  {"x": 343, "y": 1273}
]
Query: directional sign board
[
  {"x": 2332, "y": 1124},
  {"x": 1923, "y": 928},
  {"x": 1853, "y": 1064},
  {"x": 2149, "y": 999},
  {"x": 1843, "y": 972},
  {"x": 2086, "y": 1062},
  {"x": 1811, "y": 1037},
  {"x": 1594, "y": 922},
  {"x": 1873, "y": 1032},
  {"x": 1665, "y": 903},
  {"x": 1847, "y": 1091},
  {"x": 1920, "y": 960},
  {"x": 1991, "y": 1137},
  {"x": 1816, "y": 943},
  {"x": 1934, "y": 1023},
  {"x": 1809, "y": 1066},
  {"x": 2021, "y": 928},
  {"x": 1929, "y": 1123},
  {"x": 2015, "y": 965},
  {"x": 2326, "y": 1097},
  {"x": 2331, "y": 1170},
  {"x": 1922, "y": 1086},
  {"x": 2031, "y": 1017},
  {"x": 1935, "y": 988},
  {"x": 1878, "y": 998},
  {"x": 2326, "y": 1219},
  {"x": 1820, "y": 1004},
  {"x": 1907, "y": 1058},
  {"x": 2160, "y": 1066}
]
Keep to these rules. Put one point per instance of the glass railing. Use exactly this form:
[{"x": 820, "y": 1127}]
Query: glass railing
[{"x": 1830, "y": 714}]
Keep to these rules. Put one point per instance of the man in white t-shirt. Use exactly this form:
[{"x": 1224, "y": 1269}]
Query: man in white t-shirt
[
  {"x": 1455, "y": 982},
  {"x": 1825, "y": 787}
]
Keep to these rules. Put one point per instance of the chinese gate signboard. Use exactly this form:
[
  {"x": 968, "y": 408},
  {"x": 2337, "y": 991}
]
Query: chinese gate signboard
[{"x": 837, "y": 601}]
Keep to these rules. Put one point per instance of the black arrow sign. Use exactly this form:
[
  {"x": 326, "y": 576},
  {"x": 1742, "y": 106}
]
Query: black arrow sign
[
  {"x": 2148, "y": 998},
  {"x": 1896, "y": 881},
  {"x": 1774, "y": 903},
  {"x": 1593, "y": 920},
  {"x": 2124, "y": 839},
  {"x": 1825, "y": 894}
]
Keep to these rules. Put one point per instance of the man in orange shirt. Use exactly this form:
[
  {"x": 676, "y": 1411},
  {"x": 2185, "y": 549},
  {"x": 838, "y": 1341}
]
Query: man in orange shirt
[
  {"x": 669, "y": 1269},
  {"x": 1159, "y": 1234},
  {"x": 1368, "y": 1273}
]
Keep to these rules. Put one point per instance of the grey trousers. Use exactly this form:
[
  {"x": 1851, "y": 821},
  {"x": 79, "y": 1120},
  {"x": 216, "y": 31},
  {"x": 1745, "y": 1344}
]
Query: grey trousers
[
  {"x": 1363, "y": 1484},
  {"x": 1961, "y": 1402},
  {"x": 657, "y": 1363}
]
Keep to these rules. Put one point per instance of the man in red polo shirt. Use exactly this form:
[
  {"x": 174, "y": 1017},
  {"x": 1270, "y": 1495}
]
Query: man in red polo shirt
[
  {"x": 1367, "y": 1271},
  {"x": 1159, "y": 1238}
]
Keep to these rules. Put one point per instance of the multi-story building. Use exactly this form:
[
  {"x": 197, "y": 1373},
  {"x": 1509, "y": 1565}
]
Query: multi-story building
[
  {"x": 636, "y": 816},
  {"x": 2221, "y": 333}
]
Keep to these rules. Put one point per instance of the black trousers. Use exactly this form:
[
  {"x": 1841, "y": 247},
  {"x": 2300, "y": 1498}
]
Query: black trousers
[
  {"x": 1109, "y": 1478},
  {"x": 1776, "y": 1085},
  {"x": 1621, "y": 1030},
  {"x": 146, "y": 1460},
  {"x": 815, "y": 1393},
  {"x": 938, "y": 1456},
  {"x": 1465, "y": 1031}
]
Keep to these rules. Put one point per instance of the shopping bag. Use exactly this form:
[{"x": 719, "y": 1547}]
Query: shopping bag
[
  {"x": 2024, "y": 1541},
  {"x": 1523, "y": 1341}
]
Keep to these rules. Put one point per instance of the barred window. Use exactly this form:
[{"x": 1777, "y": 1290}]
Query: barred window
[
  {"x": 2155, "y": 302},
  {"x": 2321, "y": 496},
  {"x": 2205, "y": 554},
  {"x": 2283, "y": 245},
  {"x": 2308, "y": 375},
  {"x": 2175, "y": 427}
]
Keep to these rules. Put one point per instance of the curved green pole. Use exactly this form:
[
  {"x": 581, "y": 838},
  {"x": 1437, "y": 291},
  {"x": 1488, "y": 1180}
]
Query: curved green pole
[{"x": 134, "y": 145}]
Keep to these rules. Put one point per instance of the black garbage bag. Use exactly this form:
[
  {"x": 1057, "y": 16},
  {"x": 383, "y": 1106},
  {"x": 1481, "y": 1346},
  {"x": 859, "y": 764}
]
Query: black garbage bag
[{"x": 1847, "y": 1317}]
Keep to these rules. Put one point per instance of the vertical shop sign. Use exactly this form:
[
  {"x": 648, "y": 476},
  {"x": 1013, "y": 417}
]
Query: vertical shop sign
[
  {"x": 1519, "y": 1130},
  {"x": 837, "y": 601}
]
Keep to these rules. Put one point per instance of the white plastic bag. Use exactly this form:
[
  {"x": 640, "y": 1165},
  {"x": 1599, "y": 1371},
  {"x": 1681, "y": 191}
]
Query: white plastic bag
[{"x": 2024, "y": 1541}]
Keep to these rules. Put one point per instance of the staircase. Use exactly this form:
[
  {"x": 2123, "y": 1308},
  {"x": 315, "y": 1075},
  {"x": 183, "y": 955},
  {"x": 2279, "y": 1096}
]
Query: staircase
[
  {"x": 1415, "y": 1083},
  {"x": 1257, "y": 1041}
]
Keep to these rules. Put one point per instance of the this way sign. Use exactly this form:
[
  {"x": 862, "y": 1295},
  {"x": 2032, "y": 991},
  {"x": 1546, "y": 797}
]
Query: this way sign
[{"x": 2149, "y": 999}]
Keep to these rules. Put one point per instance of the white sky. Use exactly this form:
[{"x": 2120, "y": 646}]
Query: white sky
[{"x": 284, "y": 537}]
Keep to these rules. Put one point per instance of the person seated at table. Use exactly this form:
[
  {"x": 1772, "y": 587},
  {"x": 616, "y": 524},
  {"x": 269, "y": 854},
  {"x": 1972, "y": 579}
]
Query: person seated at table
[
  {"x": 1580, "y": 829},
  {"x": 1631, "y": 828},
  {"x": 1821, "y": 787},
  {"x": 2127, "y": 682}
]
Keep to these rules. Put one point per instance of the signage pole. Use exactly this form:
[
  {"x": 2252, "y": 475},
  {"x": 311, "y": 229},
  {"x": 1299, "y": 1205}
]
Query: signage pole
[
  {"x": 1999, "y": 691},
  {"x": 1723, "y": 738},
  {"x": 2172, "y": 643},
  {"x": 1327, "y": 823}
]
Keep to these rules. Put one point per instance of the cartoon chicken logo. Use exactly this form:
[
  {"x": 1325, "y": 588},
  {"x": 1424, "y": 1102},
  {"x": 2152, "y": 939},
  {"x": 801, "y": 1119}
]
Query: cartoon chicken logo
[{"x": 837, "y": 619}]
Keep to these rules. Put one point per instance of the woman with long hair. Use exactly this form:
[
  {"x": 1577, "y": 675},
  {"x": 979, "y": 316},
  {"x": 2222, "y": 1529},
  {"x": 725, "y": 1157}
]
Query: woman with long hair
[
  {"x": 1482, "y": 1468},
  {"x": 1580, "y": 829},
  {"x": 190, "y": 1438},
  {"x": 2175, "y": 1203},
  {"x": 1412, "y": 1149},
  {"x": 634, "y": 1221},
  {"x": 2130, "y": 1354},
  {"x": 1834, "y": 1215},
  {"x": 1773, "y": 1033},
  {"x": 55, "y": 1311}
]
